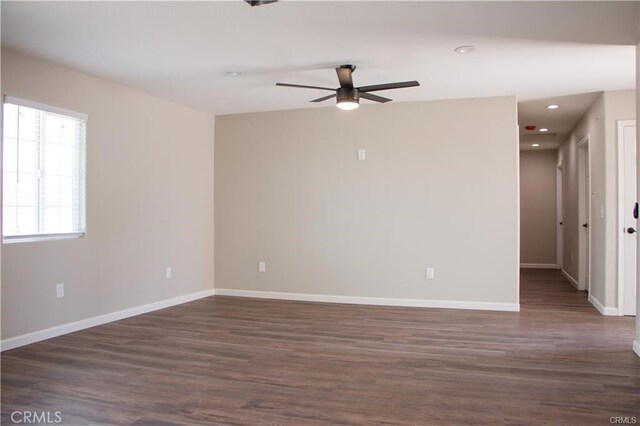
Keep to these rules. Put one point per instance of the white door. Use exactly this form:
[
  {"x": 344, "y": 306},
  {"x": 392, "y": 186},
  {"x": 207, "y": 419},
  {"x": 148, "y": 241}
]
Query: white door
[
  {"x": 587, "y": 219},
  {"x": 584, "y": 204},
  {"x": 629, "y": 221},
  {"x": 559, "y": 216}
]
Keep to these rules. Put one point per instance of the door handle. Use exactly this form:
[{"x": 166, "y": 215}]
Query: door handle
[
  {"x": 635, "y": 211},
  {"x": 631, "y": 230},
  {"x": 585, "y": 225}
]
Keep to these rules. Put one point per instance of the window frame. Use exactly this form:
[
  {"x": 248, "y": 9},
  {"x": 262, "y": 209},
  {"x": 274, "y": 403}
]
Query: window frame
[{"x": 12, "y": 239}]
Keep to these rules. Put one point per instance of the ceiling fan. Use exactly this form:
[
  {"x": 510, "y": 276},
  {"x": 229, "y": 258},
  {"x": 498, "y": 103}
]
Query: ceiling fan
[{"x": 348, "y": 96}]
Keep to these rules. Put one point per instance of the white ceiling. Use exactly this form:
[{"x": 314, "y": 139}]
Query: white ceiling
[
  {"x": 559, "y": 121},
  {"x": 179, "y": 50}
]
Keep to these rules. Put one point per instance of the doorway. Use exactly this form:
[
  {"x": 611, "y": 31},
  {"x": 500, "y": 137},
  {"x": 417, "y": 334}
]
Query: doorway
[
  {"x": 559, "y": 216},
  {"x": 627, "y": 217},
  {"x": 584, "y": 215}
]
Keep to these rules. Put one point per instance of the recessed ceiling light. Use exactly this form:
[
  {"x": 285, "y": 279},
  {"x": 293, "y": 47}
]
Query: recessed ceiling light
[
  {"x": 553, "y": 106},
  {"x": 231, "y": 73},
  {"x": 535, "y": 144},
  {"x": 463, "y": 50},
  {"x": 543, "y": 130}
]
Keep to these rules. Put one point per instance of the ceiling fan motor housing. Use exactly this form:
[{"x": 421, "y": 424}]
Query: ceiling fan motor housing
[{"x": 348, "y": 95}]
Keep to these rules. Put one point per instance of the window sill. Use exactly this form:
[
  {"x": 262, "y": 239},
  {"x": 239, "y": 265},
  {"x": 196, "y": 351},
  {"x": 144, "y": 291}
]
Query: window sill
[{"x": 41, "y": 237}]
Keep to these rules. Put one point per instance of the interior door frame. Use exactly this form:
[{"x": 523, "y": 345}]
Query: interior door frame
[
  {"x": 583, "y": 152},
  {"x": 620, "y": 207},
  {"x": 559, "y": 216}
]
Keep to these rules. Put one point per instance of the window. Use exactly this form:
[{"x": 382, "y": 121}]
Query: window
[{"x": 43, "y": 172}]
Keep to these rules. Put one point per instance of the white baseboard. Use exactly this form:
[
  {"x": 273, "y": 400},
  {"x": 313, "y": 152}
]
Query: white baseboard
[
  {"x": 379, "y": 301},
  {"x": 604, "y": 310},
  {"x": 569, "y": 278},
  {"x": 636, "y": 347},
  {"x": 37, "y": 336},
  {"x": 539, "y": 266}
]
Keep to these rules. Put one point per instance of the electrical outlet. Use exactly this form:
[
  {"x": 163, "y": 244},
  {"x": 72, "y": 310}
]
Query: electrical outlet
[
  {"x": 362, "y": 154},
  {"x": 60, "y": 290},
  {"x": 262, "y": 266},
  {"x": 168, "y": 271},
  {"x": 430, "y": 273}
]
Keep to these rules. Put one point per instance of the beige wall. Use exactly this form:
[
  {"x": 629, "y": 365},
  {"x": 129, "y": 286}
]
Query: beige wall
[
  {"x": 600, "y": 123},
  {"x": 439, "y": 188},
  {"x": 149, "y": 204},
  {"x": 568, "y": 155},
  {"x": 619, "y": 105},
  {"x": 538, "y": 207},
  {"x": 592, "y": 124}
]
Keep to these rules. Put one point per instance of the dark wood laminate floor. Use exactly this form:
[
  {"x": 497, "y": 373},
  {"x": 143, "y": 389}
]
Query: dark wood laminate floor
[{"x": 225, "y": 360}]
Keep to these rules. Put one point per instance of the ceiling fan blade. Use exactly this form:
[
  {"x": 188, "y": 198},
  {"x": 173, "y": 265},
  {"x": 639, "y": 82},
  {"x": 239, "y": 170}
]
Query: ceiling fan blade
[
  {"x": 375, "y": 98},
  {"x": 301, "y": 86},
  {"x": 388, "y": 86},
  {"x": 324, "y": 98},
  {"x": 345, "y": 78}
]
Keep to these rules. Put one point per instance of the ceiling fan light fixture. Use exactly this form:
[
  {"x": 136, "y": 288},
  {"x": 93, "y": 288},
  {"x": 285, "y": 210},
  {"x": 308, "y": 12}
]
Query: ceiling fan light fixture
[
  {"x": 348, "y": 105},
  {"x": 348, "y": 99}
]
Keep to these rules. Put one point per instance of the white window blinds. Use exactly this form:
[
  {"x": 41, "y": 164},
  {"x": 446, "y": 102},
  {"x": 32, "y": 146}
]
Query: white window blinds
[{"x": 43, "y": 171}]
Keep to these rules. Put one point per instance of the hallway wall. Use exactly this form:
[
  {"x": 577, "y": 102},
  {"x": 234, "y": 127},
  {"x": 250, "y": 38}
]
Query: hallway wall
[
  {"x": 619, "y": 105},
  {"x": 600, "y": 124},
  {"x": 538, "y": 207},
  {"x": 591, "y": 125}
]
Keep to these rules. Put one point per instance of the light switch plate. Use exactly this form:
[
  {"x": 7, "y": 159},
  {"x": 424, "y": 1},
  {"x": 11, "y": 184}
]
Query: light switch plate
[
  {"x": 362, "y": 154},
  {"x": 262, "y": 266},
  {"x": 430, "y": 273},
  {"x": 60, "y": 290}
]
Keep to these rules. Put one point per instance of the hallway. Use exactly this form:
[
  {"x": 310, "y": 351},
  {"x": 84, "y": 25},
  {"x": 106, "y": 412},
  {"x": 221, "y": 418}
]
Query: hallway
[{"x": 547, "y": 289}]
